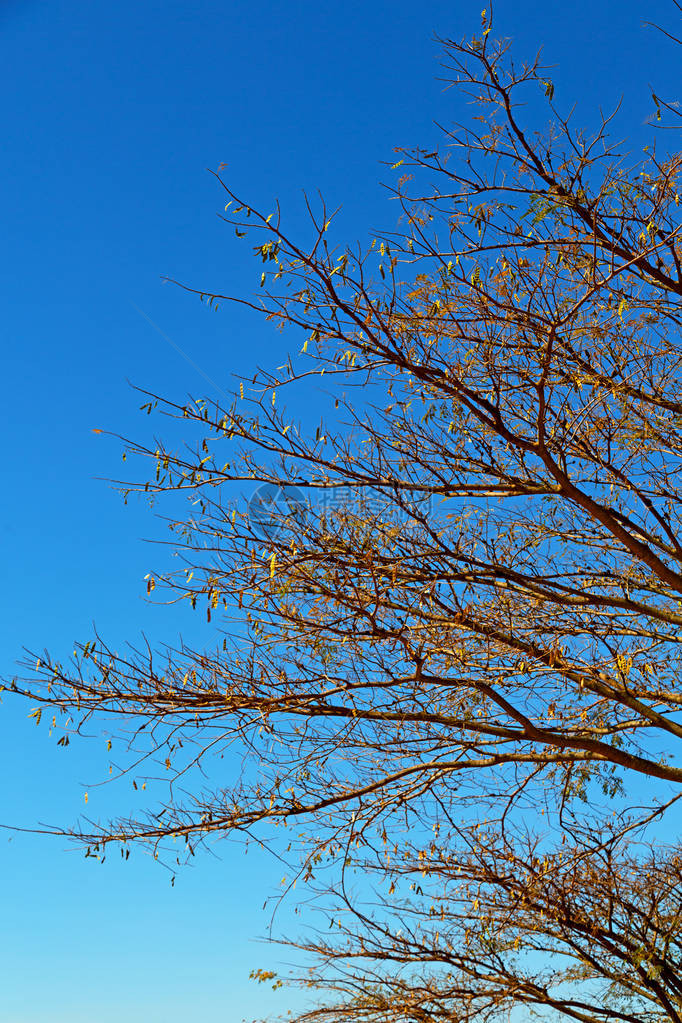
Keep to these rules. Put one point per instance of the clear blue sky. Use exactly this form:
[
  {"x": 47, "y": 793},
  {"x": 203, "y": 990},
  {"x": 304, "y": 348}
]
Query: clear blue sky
[{"x": 111, "y": 115}]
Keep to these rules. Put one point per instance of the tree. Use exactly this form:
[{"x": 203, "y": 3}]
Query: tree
[
  {"x": 464, "y": 620},
  {"x": 591, "y": 932}
]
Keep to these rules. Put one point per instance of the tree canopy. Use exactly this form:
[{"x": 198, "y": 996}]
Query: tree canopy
[{"x": 450, "y": 663}]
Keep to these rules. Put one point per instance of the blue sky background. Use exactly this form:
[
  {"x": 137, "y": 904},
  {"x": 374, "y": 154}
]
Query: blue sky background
[{"x": 111, "y": 115}]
